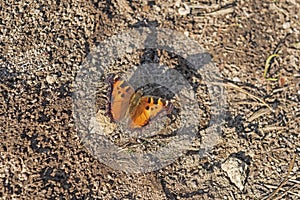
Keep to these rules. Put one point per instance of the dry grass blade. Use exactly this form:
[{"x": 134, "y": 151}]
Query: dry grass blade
[
  {"x": 245, "y": 92},
  {"x": 287, "y": 191},
  {"x": 267, "y": 66},
  {"x": 285, "y": 180},
  {"x": 259, "y": 113},
  {"x": 271, "y": 128},
  {"x": 218, "y": 12}
]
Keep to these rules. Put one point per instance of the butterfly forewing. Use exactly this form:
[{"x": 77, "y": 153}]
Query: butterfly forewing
[{"x": 120, "y": 98}]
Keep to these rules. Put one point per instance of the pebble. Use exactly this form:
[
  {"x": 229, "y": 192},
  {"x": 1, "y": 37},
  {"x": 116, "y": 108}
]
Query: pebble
[
  {"x": 236, "y": 79},
  {"x": 286, "y": 25}
]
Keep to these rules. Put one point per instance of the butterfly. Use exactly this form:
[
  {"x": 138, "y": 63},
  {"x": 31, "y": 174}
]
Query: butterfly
[{"x": 131, "y": 106}]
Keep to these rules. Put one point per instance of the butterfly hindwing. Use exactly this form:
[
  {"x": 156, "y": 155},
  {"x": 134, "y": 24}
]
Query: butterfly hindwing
[
  {"x": 121, "y": 93},
  {"x": 148, "y": 108}
]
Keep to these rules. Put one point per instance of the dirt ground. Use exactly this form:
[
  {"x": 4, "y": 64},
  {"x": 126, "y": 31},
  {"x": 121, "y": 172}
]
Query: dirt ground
[{"x": 43, "y": 45}]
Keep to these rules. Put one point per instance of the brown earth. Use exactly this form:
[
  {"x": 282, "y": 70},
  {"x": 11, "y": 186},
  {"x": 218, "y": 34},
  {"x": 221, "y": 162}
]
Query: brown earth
[{"x": 44, "y": 43}]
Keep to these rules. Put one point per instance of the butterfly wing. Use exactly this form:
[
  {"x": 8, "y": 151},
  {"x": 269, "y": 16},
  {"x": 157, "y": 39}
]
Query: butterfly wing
[
  {"x": 147, "y": 109},
  {"x": 120, "y": 95}
]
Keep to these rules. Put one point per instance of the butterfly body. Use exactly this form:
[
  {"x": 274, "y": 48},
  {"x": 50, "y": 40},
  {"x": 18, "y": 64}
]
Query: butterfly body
[{"x": 132, "y": 107}]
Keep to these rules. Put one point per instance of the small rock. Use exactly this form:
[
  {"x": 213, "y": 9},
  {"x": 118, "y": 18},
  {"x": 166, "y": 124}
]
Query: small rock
[
  {"x": 51, "y": 79},
  {"x": 177, "y": 3},
  {"x": 236, "y": 79},
  {"x": 236, "y": 170},
  {"x": 286, "y": 25},
  {"x": 157, "y": 8},
  {"x": 184, "y": 11},
  {"x": 186, "y": 33}
]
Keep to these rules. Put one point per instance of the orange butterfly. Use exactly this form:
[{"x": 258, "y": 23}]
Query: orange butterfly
[{"x": 138, "y": 110}]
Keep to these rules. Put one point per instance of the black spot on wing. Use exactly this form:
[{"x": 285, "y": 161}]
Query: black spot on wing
[
  {"x": 163, "y": 101},
  {"x": 152, "y": 108},
  {"x": 155, "y": 100},
  {"x": 127, "y": 89},
  {"x": 123, "y": 84},
  {"x": 149, "y": 100}
]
